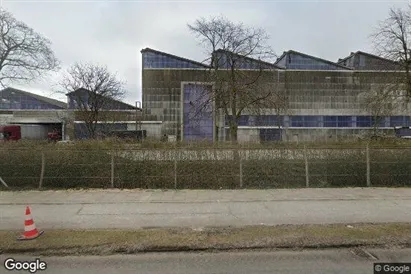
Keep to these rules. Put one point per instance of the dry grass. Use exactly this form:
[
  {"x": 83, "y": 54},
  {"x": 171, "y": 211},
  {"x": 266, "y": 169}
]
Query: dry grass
[{"x": 103, "y": 242}]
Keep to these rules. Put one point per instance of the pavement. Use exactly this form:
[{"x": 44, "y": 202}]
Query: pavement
[
  {"x": 133, "y": 209},
  {"x": 306, "y": 261}
]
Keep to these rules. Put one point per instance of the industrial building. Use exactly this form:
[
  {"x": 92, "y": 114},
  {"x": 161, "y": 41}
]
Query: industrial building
[
  {"x": 324, "y": 98},
  {"x": 39, "y": 115},
  {"x": 36, "y": 114},
  {"x": 325, "y": 101},
  {"x": 113, "y": 115}
]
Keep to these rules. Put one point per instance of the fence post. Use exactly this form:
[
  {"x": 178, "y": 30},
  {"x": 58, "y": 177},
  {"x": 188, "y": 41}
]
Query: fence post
[
  {"x": 112, "y": 169},
  {"x": 367, "y": 153},
  {"x": 307, "y": 178},
  {"x": 43, "y": 164},
  {"x": 241, "y": 171},
  {"x": 175, "y": 168}
]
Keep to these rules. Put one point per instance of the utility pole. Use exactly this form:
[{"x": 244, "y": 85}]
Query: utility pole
[{"x": 138, "y": 121}]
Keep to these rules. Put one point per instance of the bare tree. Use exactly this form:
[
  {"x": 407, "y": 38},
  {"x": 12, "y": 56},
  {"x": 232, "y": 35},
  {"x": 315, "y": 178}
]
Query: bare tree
[
  {"x": 24, "y": 53},
  {"x": 392, "y": 40},
  {"x": 242, "y": 82},
  {"x": 94, "y": 89},
  {"x": 381, "y": 100}
]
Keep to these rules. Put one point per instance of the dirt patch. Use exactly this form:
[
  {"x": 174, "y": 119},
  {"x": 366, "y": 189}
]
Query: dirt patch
[{"x": 104, "y": 242}]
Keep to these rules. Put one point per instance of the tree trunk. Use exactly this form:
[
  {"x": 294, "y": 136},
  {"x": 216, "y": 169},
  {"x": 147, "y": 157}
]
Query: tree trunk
[{"x": 233, "y": 133}]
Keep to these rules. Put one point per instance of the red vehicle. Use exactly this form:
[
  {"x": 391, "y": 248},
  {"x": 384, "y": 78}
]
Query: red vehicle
[
  {"x": 29, "y": 132},
  {"x": 8, "y": 133},
  {"x": 54, "y": 136}
]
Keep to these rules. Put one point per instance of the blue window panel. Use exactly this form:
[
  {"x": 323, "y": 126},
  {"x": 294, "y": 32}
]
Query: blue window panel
[
  {"x": 305, "y": 121},
  {"x": 364, "y": 121},
  {"x": 269, "y": 120},
  {"x": 297, "y": 61},
  {"x": 378, "y": 121},
  {"x": 397, "y": 121},
  {"x": 242, "y": 121},
  {"x": 16, "y": 101},
  {"x": 370, "y": 121},
  {"x": 252, "y": 120},
  {"x": 312, "y": 121},
  {"x": 281, "y": 120},
  {"x": 403, "y": 132},
  {"x": 257, "y": 120},
  {"x": 158, "y": 60},
  {"x": 297, "y": 121},
  {"x": 197, "y": 120},
  {"x": 263, "y": 120},
  {"x": 344, "y": 121},
  {"x": 330, "y": 121},
  {"x": 225, "y": 61}
]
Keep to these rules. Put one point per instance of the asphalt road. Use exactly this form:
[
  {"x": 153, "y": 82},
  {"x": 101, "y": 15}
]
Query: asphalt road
[
  {"x": 306, "y": 261},
  {"x": 138, "y": 209}
]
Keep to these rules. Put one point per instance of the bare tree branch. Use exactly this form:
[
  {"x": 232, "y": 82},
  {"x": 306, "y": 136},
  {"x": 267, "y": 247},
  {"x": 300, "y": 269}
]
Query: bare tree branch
[
  {"x": 391, "y": 40},
  {"x": 239, "y": 76},
  {"x": 382, "y": 98},
  {"x": 95, "y": 89},
  {"x": 24, "y": 54}
]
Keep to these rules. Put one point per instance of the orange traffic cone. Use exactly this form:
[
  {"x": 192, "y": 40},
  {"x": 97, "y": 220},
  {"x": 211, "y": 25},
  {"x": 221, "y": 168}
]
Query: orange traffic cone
[{"x": 30, "y": 230}]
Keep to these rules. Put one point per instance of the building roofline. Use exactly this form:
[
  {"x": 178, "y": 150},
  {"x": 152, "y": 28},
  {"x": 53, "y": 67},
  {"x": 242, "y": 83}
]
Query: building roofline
[
  {"x": 114, "y": 100},
  {"x": 340, "y": 60},
  {"x": 174, "y": 56},
  {"x": 367, "y": 54},
  {"x": 39, "y": 97},
  {"x": 251, "y": 59},
  {"x": 313, "y": 57}
]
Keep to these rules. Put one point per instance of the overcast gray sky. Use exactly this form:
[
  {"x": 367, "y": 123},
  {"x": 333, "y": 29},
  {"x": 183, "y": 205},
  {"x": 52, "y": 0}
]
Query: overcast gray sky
[{"x": 112, "y": 32}]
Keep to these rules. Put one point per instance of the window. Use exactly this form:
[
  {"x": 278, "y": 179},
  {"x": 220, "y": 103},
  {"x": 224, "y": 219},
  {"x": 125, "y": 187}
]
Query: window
[
  {"x": 378, "y": 121},
  {"x": 297, "y": 121},
  {"x": 397, "y": 121},
  {"x": 243, "y": 120},
  {"x": 156, "y": 60},
  {"x": 305, "y": 121},
  {"x": 344, "y": 121},
  {"x": 330, "y": 121},
  {"x": 364, "y": 121},
  {"x": 312, "y": 121}
]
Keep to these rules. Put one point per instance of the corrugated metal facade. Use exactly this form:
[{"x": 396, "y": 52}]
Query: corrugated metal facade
[{"x": 324, "y": 99}]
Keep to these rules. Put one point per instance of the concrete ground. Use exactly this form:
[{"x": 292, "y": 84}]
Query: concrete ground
[
  {"x": 132, "y": 209},
  {"x": 306, "y": 261}
]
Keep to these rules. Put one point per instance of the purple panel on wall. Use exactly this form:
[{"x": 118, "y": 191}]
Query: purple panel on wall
[{"x": 197, "y": 118}]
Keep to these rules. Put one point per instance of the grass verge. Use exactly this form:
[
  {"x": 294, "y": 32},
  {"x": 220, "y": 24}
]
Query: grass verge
[{"x": 106, "y": 242}]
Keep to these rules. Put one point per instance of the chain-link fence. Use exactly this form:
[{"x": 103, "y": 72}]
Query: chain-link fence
[{"x": 205, "y": 168}]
